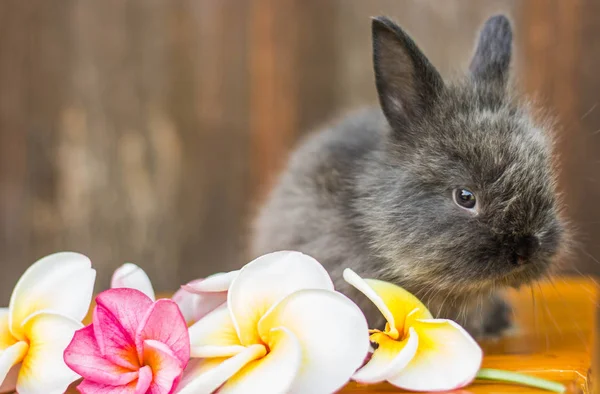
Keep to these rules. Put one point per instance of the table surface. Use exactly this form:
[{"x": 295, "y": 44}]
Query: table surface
[{"x": 557, "y": 330}]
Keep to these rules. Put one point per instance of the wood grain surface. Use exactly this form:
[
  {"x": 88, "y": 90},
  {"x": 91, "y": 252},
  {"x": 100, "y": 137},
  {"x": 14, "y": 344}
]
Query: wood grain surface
[{"x": 127, "y": 125}]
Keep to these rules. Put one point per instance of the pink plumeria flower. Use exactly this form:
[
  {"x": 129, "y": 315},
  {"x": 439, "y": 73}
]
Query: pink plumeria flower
[
  {"x": 46, "y": 308},
  {"x": 283, "y": 330},
  {"x": 134, "y": 345},
  {"x": 415, "y": 351},
  {"x": 196, "y": 299}
]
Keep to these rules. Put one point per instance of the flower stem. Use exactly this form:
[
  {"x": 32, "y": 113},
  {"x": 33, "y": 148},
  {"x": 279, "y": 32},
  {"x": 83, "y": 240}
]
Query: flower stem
[{"x": 513, "y": 377}]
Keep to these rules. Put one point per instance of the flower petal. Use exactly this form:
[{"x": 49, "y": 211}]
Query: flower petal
[
  {"x": 267, "y": 280},
  {"x": 393, "y": 301},
  {"x": 6, "y": 338},
  {"x": 165, "y": 323},
  {"x": 128, "y": 306},
  {"x": 44, "y": 369},
  {"x": 215, "y": 335},
  {"x": 447, "y": 358},
  {"x": 84, "y": 357},
  {"x": 208, "y": 375},
  {"x": 166, "y": 367},
  {"x": 9, "y": 385},
  {"x": 113, "y": 341},
  {"x": 10, "y": 357},
  {"x": 214, "y": 283},
  {"x": 145, "y": 380},
  {"x": 139, "y": 386},
  {"x": 390, "y": 357},
  {"x": 131, "y": 276},
  {"x": 274, "y": 373},
  {"x": 61, "y": 282},
  {"x": 215, "y": 351},
  {"x": 328, "y": 361},
  {"x": 359, "y": 283},
  {"x": 195, "y": 306}
]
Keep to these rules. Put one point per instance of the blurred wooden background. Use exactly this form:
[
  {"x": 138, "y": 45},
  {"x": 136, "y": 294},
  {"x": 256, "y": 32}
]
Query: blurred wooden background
[{"x": 146, "y": 130}]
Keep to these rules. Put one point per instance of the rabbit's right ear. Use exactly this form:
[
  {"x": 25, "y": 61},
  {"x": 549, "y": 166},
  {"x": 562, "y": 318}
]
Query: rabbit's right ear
[
  {"x": 407, "y": 83},
  {"x": 491, "y": 61}
]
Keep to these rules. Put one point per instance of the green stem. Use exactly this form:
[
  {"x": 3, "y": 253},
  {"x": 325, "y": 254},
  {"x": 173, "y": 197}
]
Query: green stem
[{"x": 513, "y": 377}]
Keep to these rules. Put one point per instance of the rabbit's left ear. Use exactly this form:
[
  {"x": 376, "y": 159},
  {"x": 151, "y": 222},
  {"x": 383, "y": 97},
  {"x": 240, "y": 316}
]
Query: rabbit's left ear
[{"x": 491, "y": 60}]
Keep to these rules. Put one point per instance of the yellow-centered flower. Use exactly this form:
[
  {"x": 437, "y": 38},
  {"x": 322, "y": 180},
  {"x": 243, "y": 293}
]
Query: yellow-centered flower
[
  {"x": 46, "y": 308},
  {"x": 284, "y": 329},
  {"x": 415, "y": 351}
]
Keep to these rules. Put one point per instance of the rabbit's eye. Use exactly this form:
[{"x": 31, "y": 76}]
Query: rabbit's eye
[{"x": 465, "y": 198}]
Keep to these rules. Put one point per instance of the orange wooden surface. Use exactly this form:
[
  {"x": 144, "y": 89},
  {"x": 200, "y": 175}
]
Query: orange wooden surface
[
  {"x": 554, "y": 339},
  {"x": 555, "y": 336}
]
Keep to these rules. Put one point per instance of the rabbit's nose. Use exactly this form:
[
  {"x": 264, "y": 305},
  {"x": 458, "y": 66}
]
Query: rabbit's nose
[{"x": 525, "y": 247}]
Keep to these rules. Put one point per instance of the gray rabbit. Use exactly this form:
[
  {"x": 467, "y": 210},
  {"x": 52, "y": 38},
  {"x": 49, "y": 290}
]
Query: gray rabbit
[{"x": 447, "y": 189}]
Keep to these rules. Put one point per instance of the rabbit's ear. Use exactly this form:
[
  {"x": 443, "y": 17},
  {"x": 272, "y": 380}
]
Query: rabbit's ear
[
  {"x": 491, "y": 60},
  {"x": 407, "y": 83}
]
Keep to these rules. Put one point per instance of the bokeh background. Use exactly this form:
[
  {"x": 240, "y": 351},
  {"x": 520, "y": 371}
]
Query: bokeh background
[{"x": 148, "y": 130}]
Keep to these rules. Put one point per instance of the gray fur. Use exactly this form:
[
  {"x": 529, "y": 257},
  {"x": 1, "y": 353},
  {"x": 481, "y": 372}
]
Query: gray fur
[
  {"x": 492, "y": 56},
  {"x": 373, "y": 191}
]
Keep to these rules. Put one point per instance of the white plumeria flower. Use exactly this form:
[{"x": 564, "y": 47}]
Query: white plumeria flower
[
  {"x": 415, "y": 351},
  {"x": 133, "y": 277},
  {"x": 283, "y": 330},
  {"x": 195, "y": 300},
  {"x": 46, "y": 308}
]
